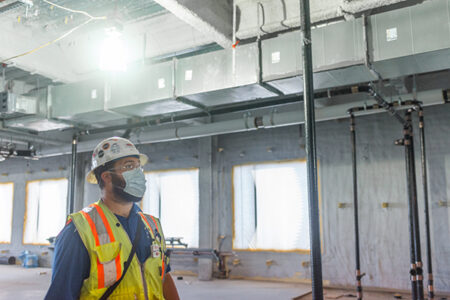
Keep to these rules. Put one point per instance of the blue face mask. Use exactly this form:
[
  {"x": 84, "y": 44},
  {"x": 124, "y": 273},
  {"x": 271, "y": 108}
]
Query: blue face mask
[{"x": 135, "y": 185}]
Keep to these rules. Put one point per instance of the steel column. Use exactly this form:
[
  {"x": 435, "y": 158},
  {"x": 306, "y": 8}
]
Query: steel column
[
  {"x": 73, "y": 168},
  {"x": 310, "y": 146}
]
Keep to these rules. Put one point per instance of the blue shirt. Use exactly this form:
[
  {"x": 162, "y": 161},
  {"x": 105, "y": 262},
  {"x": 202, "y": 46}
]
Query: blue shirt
[{"x": 71, "y": 262}]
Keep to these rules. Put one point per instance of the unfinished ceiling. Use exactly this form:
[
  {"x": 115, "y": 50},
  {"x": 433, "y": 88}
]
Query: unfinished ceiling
[
  {"x": 179, "y": 76},
  {"x": 149, "y": 29}
]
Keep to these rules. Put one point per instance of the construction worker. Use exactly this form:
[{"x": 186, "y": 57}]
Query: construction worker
[{"x": 110, "y": 249}]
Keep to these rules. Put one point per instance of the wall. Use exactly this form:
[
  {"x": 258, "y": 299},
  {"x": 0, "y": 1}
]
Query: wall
[
  {"x": 384, "y": 231},
  {"x": 384, "y": 234},
  {"x": 20, "y": 171}
]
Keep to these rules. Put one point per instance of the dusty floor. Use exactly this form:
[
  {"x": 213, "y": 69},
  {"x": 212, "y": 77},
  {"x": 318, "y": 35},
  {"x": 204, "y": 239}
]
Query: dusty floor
[{"x": 19, "y": 283}]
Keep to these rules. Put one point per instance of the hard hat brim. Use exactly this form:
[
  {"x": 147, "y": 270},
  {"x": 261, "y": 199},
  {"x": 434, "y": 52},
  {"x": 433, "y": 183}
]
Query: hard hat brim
[{"x": 91, "y": 175}]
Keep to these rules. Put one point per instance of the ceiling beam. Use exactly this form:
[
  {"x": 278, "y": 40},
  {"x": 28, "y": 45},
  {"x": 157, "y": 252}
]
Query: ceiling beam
[{"x": 212, "y": 18}]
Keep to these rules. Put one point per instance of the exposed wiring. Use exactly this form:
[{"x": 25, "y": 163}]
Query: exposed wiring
[
  {"x": 91, "y": 18},
  {"x": 75, "y": 11},
  {"x": 48, "y": 43}
]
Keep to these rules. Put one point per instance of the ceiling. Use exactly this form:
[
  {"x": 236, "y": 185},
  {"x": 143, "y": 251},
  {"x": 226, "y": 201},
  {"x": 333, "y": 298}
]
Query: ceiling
[
  {"x": 150, "y": 28},
  {"x": 153, "y": 30}
]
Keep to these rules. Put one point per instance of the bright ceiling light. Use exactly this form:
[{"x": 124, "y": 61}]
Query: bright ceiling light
[{"x": 113, "y": 52}]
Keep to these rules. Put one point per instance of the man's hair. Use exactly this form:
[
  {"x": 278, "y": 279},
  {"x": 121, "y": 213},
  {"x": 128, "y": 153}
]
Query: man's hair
[{"x": 98, "y": 172}]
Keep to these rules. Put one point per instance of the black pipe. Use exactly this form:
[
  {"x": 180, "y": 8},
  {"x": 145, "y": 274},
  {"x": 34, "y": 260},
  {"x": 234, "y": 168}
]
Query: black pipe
[
  {"x": 226, "y": 108},
  {"x": 425, "y": 195},
  {"x": 342, "y": 91},
  {"x": 73, "y": 168},
  {"x": 406, "y": 142},
  {"x": 377, "y": 106},
  {"x": 416, "y": 271},
  {"x": 359, "y": 276},
  {"x": 413, "y": 195},
  {"x": 383, "y": 103},
  {"x": 310, "y": 146}
]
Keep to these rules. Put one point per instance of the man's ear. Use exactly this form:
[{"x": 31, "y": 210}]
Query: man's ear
[{"x": 106, "y": 177}]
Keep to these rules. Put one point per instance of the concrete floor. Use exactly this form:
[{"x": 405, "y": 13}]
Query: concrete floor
[{"x": 20, "y": 283}]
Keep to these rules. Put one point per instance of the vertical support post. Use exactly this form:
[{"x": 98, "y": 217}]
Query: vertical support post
[
  {"x": 355, "y": 209},
  {"x": 73, "y": 169},
  {"x": 310, "y": 146},
  {"x": 425, "y": 195}
]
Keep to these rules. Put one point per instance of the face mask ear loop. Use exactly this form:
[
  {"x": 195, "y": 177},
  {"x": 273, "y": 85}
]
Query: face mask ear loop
[{"x": 116, "y": 186}]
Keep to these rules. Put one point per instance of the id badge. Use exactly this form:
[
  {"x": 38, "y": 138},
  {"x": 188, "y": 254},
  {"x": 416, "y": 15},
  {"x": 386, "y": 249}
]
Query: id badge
[{"x": 156, "y": 251}]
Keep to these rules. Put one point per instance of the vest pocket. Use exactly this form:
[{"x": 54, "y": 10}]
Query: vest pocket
[
  {"x": 109, "y": 260},
  {"x": 108, "y": 252},
  {"x": 153, "y": 276}
]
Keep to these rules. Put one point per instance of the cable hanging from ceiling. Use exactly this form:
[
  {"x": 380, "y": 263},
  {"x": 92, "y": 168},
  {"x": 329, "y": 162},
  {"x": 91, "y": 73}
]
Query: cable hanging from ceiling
[{"x": 90, "y": 19}]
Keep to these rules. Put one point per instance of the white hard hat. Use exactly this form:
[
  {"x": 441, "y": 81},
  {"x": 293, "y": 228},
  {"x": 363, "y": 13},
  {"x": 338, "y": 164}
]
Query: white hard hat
[{"x": 111, "y": 149}]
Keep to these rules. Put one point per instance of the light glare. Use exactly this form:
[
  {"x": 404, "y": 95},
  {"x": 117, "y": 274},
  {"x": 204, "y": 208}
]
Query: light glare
[{"x": 113, "y": 54}]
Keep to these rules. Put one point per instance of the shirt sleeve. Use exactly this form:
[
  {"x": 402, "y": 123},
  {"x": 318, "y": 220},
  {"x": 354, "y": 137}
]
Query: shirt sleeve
[{"x": 71, "y": 265}]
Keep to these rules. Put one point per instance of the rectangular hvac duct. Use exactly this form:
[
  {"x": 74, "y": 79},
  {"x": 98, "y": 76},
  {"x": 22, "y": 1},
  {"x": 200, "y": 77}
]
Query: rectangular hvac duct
[
  {"x": 37, "y": 121},
  {"x": 14, "y": 105},
  {"x": 401, "y": 42},
  {"x": 338, "y": 58},
  {"x": 81, "y": 102},
  {"x": 412, "y": 40},
  {"x": 144, "y": 92},
  {"x": 217, "y": 77}
]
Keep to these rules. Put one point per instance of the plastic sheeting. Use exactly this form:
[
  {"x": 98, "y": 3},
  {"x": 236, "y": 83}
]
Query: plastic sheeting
[
  {"x": 173, "y": 196},
  {"x": 6, "y": 200},
  {"x": 45, "y": 210},
  {"x": 271, "y": 206}
]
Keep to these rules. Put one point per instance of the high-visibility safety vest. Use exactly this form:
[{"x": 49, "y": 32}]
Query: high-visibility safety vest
[{"x": 109, "y": 246}]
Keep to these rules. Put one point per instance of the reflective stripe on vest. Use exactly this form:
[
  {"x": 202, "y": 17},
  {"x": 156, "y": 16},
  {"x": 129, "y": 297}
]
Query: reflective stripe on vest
[
  {"x": 153, "y": 225},
  {"x": 108, "y": 247},
  {"x": 101, "y": 229}
]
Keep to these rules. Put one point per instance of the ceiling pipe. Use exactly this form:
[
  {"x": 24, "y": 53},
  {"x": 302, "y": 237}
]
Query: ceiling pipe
[
  {"x": 246, "y": 123},
  {"x": 16, "y": 135},
  {"x": 215, "y": 111}
]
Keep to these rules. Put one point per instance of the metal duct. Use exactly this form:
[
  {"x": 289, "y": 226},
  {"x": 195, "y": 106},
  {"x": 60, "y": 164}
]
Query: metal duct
[
  {"x": 39, "y": 120},
  {"x": 412, "y": 40},
  {"x": 399, "y": 43},
  {"x": 247, "y": 123}
]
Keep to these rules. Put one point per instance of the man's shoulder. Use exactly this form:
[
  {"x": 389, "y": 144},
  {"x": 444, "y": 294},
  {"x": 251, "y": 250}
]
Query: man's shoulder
[{"x": 69, "y": 232}]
